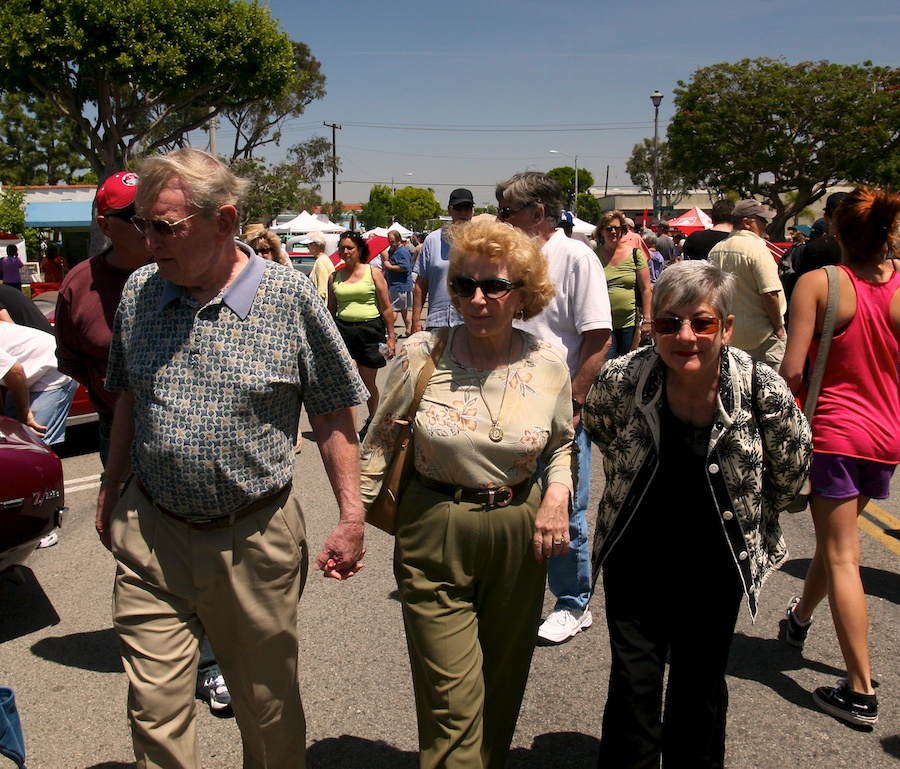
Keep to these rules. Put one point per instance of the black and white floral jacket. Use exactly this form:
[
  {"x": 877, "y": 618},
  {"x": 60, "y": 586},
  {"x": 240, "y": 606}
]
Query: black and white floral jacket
[{"x": 757, "y": 460}]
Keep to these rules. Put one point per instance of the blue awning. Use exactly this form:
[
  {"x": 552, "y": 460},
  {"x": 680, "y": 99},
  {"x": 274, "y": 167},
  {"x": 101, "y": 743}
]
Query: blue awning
[{"x": 70, "y": 213}]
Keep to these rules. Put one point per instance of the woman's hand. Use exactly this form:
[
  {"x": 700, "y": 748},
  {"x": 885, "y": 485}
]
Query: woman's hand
[
  {"x": 392, "y": 346},
  {"x": 551, "y": 526}
]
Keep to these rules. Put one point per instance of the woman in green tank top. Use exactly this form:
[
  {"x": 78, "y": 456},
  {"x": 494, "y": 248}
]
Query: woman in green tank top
[{"x": 358, "y": 300}]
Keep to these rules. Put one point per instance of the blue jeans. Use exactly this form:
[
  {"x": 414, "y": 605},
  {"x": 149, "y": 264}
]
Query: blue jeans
[
  {"x": 569, "y": 576},
  {"x": 620, "y": 341},
  {"x": 50, "y": 408}
]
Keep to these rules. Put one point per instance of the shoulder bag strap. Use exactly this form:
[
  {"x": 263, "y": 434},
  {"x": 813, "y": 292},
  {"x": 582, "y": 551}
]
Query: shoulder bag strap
[
  {"x": 426, "y": 372},
  {"x": 815, "y": 382}
]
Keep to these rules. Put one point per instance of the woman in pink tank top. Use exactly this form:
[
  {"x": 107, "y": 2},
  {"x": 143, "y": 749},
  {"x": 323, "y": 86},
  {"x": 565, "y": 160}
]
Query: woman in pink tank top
[{"x": 856, "y": 430}]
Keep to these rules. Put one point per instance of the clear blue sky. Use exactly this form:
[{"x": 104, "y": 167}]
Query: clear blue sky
[{"x": 535, "y": 76}]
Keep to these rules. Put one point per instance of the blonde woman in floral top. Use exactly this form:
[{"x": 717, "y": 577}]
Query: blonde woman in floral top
[{"x": 474, "y": 530}]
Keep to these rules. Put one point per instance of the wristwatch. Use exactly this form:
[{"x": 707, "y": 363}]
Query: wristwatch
[{"x": 576, "y": 406}]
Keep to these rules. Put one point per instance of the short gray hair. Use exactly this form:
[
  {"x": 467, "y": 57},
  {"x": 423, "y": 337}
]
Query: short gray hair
[
  {"x": 210, "y": 184},
  {"x": 693, "y": 282},
  {"x": 649, "y": 237},
  {"x": 530, "y": 188}
]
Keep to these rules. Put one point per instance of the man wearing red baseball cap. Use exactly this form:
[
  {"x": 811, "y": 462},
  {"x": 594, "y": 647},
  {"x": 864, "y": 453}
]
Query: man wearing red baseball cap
[{"x": 90, "y": 294}]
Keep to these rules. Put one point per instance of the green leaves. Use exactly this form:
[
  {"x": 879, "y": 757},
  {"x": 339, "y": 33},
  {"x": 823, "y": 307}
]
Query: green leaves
[
  {"x": 765, "y": 127},
  {"x": 133, "y": 77}
]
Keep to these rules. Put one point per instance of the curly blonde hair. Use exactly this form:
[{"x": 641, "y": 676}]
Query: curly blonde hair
[{"x": 487, "y": 238}]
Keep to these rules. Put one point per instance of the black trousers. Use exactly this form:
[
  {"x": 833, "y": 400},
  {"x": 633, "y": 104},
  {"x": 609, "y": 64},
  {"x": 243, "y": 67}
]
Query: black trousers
[{"x": 691, "y": 620}]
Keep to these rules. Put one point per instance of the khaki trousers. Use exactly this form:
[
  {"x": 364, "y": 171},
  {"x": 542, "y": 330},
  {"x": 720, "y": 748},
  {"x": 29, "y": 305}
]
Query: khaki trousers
[
  {"x": 240, "y": 584},
  {"x": 472, "y": 595}
]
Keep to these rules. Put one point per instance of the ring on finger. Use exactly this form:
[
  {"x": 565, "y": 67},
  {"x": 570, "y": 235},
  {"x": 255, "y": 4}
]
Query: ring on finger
[{"x": 559, "y": 541}]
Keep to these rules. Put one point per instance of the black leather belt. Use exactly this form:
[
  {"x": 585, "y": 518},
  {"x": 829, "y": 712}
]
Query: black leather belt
[
  {"x": 497, "y": 497},
  {"x": 216, "y": 521}
]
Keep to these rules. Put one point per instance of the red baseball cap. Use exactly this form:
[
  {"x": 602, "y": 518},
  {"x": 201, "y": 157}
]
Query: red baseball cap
[{"x": 117, "y": 192}]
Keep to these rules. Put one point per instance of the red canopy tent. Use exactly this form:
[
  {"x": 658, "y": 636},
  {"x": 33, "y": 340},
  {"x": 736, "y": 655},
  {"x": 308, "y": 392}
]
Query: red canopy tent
[{"x": 692, "y": 221}]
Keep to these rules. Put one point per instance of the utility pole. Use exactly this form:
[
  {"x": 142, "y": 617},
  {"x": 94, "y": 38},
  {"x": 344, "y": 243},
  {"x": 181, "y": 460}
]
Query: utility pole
[{"x": 334, "y": 128}]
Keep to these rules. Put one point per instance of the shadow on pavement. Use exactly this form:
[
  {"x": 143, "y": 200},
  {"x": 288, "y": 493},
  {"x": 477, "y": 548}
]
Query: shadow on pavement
[
  {"x": 877, "y": 582},
  {"x": 111, "y": 765},
  {"x": 560, "y": 750},
  {"x": 25, "y": 607},
  {"x": 891, "y": 745},
  {"x": 765, "y": 660},
  {"x": 96, "y": 650},
  {"x": 81, "y": 439},
  {"x": 347, "y": 750}
]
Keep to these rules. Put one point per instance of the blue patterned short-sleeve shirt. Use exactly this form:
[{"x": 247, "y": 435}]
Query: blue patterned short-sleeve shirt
[{"x": 217, "y": 388}]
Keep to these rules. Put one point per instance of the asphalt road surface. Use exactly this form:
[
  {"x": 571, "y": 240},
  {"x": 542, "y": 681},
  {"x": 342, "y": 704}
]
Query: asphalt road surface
[{"x": 58, "y": 652}]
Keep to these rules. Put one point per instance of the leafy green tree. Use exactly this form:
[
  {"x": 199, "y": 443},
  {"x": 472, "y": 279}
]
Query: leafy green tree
[
  {"x": 259, "y": 123},
  {"x": 414, "y": 206},
  {"x": 333, "y": 210},
  {"x": 12, "y": 220},
  {"x": 12, "y": 211},
  {"x": 134, "y": 77},
  {"x": 672, "y": 185},
  {"x": 564, "y": 176},
  {"x": 35, "y": 142},
  {"x": 377, "y": 211},
  {"x": 588, "y": 207},
  {"x": 288, "y": 186},
  {"x": 764, "y": 127}
]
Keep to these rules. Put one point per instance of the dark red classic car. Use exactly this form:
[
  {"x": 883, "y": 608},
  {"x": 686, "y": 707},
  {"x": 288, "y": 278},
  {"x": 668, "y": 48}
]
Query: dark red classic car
[{"x": 32, "y": 500}]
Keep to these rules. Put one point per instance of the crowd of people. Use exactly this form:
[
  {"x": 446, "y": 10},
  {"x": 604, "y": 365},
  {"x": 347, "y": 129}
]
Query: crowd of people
[{"x": 199, "y": 346}]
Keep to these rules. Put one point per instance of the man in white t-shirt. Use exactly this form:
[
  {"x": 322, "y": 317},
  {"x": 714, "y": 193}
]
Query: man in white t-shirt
[
  {"x": 578, "y": 321},
  {"x": 39, "y": 394}
]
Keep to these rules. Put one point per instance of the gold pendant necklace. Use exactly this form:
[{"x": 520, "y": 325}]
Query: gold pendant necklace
[{"x": 495, "y": 433}]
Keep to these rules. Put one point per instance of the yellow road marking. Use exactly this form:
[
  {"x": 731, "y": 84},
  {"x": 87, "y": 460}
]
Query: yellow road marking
[{"x": 878, "y": 532}]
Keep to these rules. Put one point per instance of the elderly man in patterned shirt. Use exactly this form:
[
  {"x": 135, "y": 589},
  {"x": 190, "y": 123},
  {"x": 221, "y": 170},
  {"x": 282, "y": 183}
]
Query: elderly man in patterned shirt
[{"x": 214, "y": 349}]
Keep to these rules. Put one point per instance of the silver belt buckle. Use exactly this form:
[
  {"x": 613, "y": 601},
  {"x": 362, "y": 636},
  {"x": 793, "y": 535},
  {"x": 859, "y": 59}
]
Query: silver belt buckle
[{"x": 501, "y": 496}]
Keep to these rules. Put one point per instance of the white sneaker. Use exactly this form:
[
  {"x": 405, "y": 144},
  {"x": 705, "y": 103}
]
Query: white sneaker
[
  {"x": 49, "y": 541},
  {"x": 562, "y": 625}
]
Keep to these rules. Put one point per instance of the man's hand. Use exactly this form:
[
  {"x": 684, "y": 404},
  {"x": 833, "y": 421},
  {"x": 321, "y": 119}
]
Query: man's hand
[
  {"x": 342, "y": 553},
  {"x": 33, "y": 424},
  {"x": 106, "y": 503}
]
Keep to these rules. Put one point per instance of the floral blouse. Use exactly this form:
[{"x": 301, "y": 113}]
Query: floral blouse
[{"x": 452, "y": 422}]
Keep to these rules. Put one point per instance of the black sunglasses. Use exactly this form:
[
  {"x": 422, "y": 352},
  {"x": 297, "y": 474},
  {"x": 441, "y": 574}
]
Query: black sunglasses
[
  {"x": 504, "y": 212},
  {"x": 673, "y": 325},
  {"x": 125, "y": 215},
  {"x": 493, "y": 288},
  {"x": 613, "y": 229}
]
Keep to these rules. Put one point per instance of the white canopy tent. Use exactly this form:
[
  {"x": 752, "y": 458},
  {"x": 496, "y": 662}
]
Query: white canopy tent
[
  {"x": 581, "y": 227},
  {"x": 306, "y": 222},
  {"x": 383, "y": 231}
]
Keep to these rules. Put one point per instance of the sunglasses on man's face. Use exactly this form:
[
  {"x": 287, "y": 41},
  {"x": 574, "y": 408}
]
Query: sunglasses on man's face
[
  {"x": 504, "y": 212},
  {"x": 493, "y": 288},
  {"x": 698, "y": 325},
  {"x": 125, "y": 215},
  {"x": 160, "y": 227}
]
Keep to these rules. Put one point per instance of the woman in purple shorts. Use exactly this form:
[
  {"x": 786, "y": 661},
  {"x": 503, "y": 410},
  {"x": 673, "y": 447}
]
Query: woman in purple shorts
[{"x": 856, "y": 430}]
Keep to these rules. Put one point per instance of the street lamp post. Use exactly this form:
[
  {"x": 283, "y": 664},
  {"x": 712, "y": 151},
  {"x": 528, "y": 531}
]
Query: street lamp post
[
  {"x": 656, "y": 97},
  {"x": 575, "y": 159}
]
